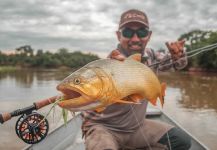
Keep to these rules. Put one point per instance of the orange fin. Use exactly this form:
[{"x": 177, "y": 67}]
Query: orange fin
[
  {"x": 126, "y": 102},
  {"x": 153, "y": 101},
  {"x": 136, "y": 57},
  {"x": 163, "y": 89},
  {"x": 136, "y": 98},
  {"x": 100, "y": 109}
]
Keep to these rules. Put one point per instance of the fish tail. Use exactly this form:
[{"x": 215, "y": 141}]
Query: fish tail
[
  {"x": 163, "y": 89},
  {"x": 153, "y": 101}
]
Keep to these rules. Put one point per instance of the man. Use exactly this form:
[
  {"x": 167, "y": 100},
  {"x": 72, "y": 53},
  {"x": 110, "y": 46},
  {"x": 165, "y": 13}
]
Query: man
[{"x": 122, "y": 125}]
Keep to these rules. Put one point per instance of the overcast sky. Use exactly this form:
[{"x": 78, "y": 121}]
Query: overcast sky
[{"x": 90, "y": 25}]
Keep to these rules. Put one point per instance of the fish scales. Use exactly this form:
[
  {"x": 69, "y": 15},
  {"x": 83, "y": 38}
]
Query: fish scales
[{"x": 112, "y": 81}]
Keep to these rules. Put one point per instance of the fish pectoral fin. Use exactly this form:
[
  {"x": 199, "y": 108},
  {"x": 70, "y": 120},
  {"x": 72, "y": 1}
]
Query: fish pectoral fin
[
  {"x": 100, "y": 109},
  {"x": 126, "y": 102},
  {"x": 153, "y": 101},
  {"x": 135, "y": 98},
  {"x": 136, "y": 57}
]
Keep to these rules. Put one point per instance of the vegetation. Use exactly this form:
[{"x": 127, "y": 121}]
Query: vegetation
[
  {"x": 197, "y": 39},
  {"x": 25, "y": 57},
  {"x": 7, "y": 68}
]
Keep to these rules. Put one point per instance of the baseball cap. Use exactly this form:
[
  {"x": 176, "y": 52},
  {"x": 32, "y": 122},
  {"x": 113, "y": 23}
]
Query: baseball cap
[{"x": 133, "y": 15}]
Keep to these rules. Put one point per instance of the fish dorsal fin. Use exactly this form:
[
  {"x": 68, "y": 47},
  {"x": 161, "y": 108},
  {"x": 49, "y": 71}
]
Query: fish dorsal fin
[{"x": 136, "y": 57}]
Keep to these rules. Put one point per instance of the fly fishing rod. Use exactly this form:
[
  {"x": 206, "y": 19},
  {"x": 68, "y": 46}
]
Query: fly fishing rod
[{"x": 31, "y": 126}]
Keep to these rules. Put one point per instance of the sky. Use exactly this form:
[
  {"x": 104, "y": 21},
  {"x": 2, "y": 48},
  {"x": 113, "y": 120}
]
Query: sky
[{"x": 90, "y": 25}]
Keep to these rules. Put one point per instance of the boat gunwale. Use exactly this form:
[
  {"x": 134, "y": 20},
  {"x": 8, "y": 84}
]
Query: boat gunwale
[{"x": 149, "y": 115}]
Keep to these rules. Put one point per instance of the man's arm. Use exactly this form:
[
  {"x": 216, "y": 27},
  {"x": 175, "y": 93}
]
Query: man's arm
[
  {"x": 178, "y": 54},
  {"x": 176, "y": 59}
]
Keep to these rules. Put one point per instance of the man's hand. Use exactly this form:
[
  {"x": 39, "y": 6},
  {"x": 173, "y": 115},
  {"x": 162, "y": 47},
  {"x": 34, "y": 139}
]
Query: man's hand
[
  {"x": 176, "y": 49},
  {"x": 115, "y": 54}
]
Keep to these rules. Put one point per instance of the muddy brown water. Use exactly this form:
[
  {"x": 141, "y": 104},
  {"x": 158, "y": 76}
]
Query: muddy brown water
[{"x": 191, "y": 100}]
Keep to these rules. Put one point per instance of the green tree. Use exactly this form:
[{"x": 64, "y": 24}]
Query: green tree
[
  {"x": 25, "y": 57},
  {"x": 3, "y": 59},
  {"x": 26, "y": 50},
  {"x": 197, "y": 39}
]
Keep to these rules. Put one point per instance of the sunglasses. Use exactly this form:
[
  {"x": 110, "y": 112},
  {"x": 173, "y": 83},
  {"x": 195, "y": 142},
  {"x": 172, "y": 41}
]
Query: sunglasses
[{"x": 141, "y": 33}]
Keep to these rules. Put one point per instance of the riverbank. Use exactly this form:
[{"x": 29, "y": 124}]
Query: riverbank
[
  {"x": 191, "y": 70},
  {"x": 16, "y": 68},
  {"x": 8, "y": 68},
  {"x": 195, "y": 69}
]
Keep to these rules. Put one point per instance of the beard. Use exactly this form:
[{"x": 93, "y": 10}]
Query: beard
[{"x": 135, "y": 47}]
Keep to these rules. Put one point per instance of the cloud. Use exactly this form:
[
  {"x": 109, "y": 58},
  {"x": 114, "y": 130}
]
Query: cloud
[{"x": 91, "y": 25}]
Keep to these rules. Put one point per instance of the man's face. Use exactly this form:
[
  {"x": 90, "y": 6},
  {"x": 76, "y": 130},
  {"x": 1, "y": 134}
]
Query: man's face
[{"x": 134, "y": 44}]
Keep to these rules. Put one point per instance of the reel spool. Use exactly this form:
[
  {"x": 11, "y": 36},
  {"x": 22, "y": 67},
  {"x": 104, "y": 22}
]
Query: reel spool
[
  {"x": 17, "y": 126},
  {"x": 32, "y": 128}
]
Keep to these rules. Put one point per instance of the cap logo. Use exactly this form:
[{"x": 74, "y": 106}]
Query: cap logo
[{"x": 133, "y": 15}]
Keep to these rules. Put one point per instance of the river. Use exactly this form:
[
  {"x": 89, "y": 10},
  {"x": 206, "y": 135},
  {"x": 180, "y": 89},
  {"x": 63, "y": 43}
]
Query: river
[{"x": 191, "y": 100}]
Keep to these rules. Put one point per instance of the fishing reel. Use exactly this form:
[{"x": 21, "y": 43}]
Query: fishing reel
[{"x": 32, "y": 128}]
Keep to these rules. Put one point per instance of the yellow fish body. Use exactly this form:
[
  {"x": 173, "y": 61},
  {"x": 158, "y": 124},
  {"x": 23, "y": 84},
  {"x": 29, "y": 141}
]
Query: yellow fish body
[{"x": 107, "y": 81}]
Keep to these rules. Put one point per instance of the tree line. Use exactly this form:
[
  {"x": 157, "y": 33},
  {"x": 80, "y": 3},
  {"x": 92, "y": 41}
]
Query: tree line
[
  {"x": 24, "y": 57},
  {"x": 195, "y": 39}
]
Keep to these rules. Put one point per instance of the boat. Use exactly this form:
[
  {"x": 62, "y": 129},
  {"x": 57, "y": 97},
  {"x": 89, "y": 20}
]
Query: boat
[{"x": 69, "y": 136}]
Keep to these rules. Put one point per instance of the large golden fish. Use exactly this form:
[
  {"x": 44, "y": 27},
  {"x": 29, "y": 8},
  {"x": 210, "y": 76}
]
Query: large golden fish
[{"x": 107, "y": 81}]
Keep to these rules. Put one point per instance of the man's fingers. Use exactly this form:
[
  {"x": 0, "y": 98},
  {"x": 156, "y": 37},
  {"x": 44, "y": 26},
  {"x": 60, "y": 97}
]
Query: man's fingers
[
  {"x": 176, "y": 48},
  {"x": 172, "y": 47},
  {"x": 175, "y": 51},
  {"x": 115, "y": 54},
  {"x": 168, "y": 45},
  {"x": 119, "y": 57},
  {"x": 182, "y": 42}
]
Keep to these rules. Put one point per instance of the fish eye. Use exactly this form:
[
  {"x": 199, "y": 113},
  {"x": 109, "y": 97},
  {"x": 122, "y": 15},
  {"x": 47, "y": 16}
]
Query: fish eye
[{"x": 77, "y": 81}]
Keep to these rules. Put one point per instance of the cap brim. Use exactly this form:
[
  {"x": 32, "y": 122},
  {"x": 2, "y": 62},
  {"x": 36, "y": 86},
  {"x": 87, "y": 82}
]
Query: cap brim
[{"x": 121, "y": 25}]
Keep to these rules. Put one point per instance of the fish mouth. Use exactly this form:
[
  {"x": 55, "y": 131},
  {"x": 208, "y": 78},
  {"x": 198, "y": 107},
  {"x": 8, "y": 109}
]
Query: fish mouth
[
  {"x": 69, "y": 94},
  {"x": 75, "y": 99}
]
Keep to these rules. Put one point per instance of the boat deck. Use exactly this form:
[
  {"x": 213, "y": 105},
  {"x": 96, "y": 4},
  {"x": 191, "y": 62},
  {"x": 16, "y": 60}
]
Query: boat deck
[{"x": 69, "y": 137}]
